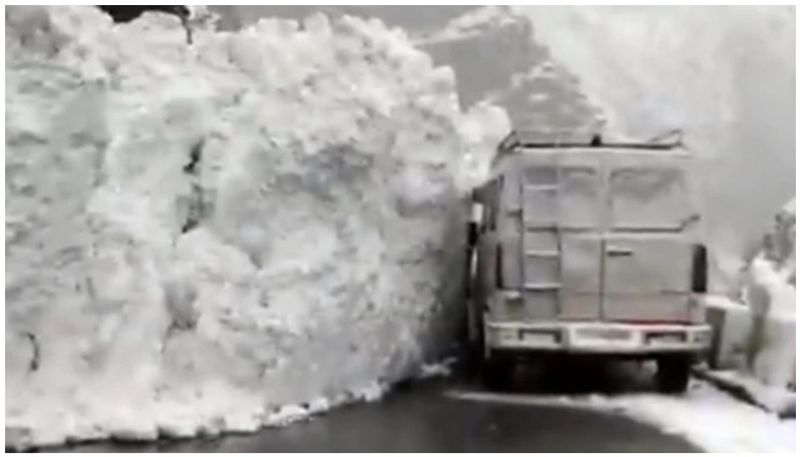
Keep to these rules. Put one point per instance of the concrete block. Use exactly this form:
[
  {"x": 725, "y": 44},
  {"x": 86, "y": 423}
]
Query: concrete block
[{"x": 731, "y": 323}]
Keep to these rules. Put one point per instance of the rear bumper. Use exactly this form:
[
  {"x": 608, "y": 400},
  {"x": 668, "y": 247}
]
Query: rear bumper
[{"x": 597, "y": 337}]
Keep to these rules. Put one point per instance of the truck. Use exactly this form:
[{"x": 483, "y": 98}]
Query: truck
[{"x": 587, "y": 248}]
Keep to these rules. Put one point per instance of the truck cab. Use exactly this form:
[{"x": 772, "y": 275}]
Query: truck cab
[{"x": 589, "y": 248}]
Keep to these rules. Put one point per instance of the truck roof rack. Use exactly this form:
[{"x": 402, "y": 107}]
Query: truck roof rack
[{"x": 583, "y": 139}]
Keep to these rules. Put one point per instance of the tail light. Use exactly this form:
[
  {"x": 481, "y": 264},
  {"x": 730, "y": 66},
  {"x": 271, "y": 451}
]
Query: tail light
[
  {"x": 498, "y": 270},
  {"x": 699, "y": 269}
]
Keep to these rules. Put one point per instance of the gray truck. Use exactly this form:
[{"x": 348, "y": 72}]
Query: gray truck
[{"x": 591, "y": 248}]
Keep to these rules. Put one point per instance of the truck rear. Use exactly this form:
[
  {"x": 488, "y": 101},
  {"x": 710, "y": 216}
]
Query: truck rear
[{"x": 590, "y": 248}]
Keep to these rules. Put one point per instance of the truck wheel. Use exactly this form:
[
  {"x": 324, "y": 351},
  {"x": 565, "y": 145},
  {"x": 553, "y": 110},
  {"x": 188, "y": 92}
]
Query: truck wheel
[
  {"x": 496, "y": 373},
  {"x": 474, "y": 355},
  {"x": 672, "y": 376}
]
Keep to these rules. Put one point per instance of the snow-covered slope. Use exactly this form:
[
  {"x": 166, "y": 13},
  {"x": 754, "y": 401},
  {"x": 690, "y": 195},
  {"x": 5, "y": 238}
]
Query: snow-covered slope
[
  {"x": 725, "y": 75},
  {"x": 490, "y": 50},
  {"x": 198, "y": 236},
  {"x": 495, "y": 59}
]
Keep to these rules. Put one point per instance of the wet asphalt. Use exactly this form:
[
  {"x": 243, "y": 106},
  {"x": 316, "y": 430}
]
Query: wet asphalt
[{"x": 428, "y": 416}]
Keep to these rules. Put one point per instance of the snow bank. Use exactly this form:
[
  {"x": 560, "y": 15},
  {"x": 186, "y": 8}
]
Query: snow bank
[
  {"x": 198, "y": 238},
  {"x": 744, "y": 386},
  {"x": 757, "y": 337},
  {"x": 707, "y": 417},
  {"x": 711, "y": 419},
  {"x": 772, "y": 300},
  {"x": 770, "y": 293}
]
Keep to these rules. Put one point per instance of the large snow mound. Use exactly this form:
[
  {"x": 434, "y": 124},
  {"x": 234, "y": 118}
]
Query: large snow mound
[{"x": 199, "y": 238}]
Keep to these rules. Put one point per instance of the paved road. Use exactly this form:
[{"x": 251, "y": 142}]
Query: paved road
[{"x": 429, "y": 417}]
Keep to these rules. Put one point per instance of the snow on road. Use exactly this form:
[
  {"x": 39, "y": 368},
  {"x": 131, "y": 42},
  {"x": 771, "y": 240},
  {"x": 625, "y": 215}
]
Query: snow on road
[{"x": 706, "y": 416}]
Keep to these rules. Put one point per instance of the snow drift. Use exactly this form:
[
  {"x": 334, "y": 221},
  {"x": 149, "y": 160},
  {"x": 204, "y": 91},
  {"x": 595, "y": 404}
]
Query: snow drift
[
  {"x": 706, "y": 416},
  {"x": 756, "y": 338},
  {"x": 771, "y": 295},
  {"x": 227, "y": 235}
]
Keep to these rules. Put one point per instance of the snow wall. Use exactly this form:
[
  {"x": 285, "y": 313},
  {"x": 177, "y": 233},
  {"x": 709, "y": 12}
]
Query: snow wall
[{"x": 225, "y": 235}]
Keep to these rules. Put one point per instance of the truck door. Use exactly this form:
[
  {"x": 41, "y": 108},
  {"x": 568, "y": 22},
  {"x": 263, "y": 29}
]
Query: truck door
[
  {"x": 647, "y": 255},
  {"x": 561, "y": 242}
]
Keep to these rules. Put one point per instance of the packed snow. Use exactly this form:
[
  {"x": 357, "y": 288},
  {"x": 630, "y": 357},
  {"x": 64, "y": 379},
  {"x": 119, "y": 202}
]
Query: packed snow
[
  {"x": 771, "y": 397},
  {"x": 757, "y": 336},
  {"x": 226, "y": 235},
  {"x": 711, "y": 419},
  {"x": 442, "y": 368},
  {"x": 707, "y": 417}
]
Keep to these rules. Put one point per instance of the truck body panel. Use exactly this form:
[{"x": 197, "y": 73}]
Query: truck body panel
[{"x": 577, "y": 235}]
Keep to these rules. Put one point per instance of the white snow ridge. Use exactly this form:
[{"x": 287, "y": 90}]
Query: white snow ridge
[{"x": 199, "y": 237}]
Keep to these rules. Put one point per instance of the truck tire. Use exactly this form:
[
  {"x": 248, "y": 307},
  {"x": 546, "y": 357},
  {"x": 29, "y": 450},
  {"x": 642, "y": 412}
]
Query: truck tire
[
  {"x": 474, "y": 351},
  {"x": 472, "y": 299},
  {"x": 496, "y": 373},
  {"x": 672, "y": 376}
]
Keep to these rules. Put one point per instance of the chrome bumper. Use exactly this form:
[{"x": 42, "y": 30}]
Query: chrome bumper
[{"x": 597, "y": 337}]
